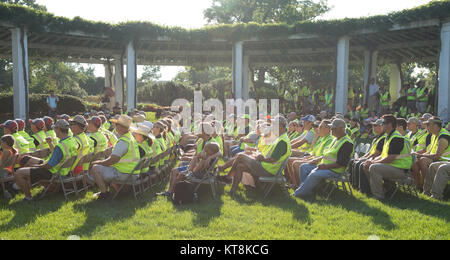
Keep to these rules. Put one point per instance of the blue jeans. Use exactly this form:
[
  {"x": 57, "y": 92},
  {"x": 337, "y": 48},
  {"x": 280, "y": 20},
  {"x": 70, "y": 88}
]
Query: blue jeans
[
  {"x": 310, "y": 177},
  {"x": 235, "y": 150}
]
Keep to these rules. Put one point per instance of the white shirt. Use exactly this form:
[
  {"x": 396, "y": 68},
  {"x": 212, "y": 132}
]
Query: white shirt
[{"x": 373, "y": 89}]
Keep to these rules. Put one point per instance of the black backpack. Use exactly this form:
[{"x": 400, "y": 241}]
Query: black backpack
[{"x": 184, "y": 193}]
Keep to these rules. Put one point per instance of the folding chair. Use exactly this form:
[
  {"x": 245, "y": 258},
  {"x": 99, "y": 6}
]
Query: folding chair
[
  {"x": 4, "y": 179},
  {"x": 277, "y": 179},
  {"x": 343, "y": 180},
  {"x": 406, "y": 184},
  {"x": 146, "y": 176},
  {"x": 85, "y": 174},
  {"x": 156, "y": 172},
  {"x": 59, "y": 179},
  {"x": 208, "y": 178},
  {"x": 134, "y": 180}
]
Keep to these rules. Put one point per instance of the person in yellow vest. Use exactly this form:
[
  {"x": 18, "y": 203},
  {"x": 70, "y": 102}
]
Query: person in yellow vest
[
  {"x": 385, "y": 99},
  {"x": 304, "y": 141},
  {"x": 85, "y": 145},
  {"x": 358, "y": 178},
  {"x": 422, "y": 97},
  {"x": 393, "y": 163},
  {"x": 10, "y": 127},
  {"x": 142, "y": 134},
  {"x": 439, "y": 151},
  {"x": 21, "y": 131},
  {"x": 205, "y": 138},
  {"x": 411, "y": 97},
  {"x": 333, "y": 163},
  {"x": 112, "y": 138},
  {"x": 64, "y": 150},
  {"x": 351, "y": 97},
  {"x": 49, "y": 129},
  {"x": 39, "y": 135},
  {"x": 320, "y": 144},
  {"x": 354, "y": 129},
  {"x": 266, "y": 166},
  {"x": 100, "y": 141},
  {"x": 124, "y": 158},
  {"x": 402, "y": 127}
]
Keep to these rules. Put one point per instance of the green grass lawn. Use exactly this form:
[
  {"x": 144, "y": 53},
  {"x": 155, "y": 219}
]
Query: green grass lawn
[{"x": 246, "y": 217}]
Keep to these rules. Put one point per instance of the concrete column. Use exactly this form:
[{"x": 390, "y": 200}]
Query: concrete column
[
  {"x": 395, "y": 83},
  {"x": 374, "y": 65},
  {"x": 246, "y": 78},
  {"x": 109, "y": 75},
  {"x": 238, "y": 62},
  {"x": 370, "y": 70},
  {"x": 343, "y": 52},
  {"x": 444, "y": 74},
  {"x": 118, "y": 80},
  {"x": 20, "y": 72},
  {"x": 131, "y": 77}
]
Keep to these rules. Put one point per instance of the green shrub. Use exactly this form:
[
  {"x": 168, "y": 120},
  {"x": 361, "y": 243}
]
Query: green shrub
[{"x": 38, "y": 106}]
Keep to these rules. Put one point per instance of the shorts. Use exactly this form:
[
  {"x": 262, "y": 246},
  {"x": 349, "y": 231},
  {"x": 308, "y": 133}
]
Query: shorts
[
  {"x": 39, "y": 174},
  {"x": 112, "y": 175},
  {"x": 257, "y": 170}
]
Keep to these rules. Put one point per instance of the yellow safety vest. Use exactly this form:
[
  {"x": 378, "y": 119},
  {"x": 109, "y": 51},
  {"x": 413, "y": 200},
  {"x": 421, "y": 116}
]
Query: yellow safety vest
[
  {"x": 131, "y": 159},
  {"x": 434, "y": 145},
  {"x": 404, "y": 159},
  {"x": 331, "y": 154},
  {"x": 273, "y": 168},
  {"x": 68, "y": 148}
]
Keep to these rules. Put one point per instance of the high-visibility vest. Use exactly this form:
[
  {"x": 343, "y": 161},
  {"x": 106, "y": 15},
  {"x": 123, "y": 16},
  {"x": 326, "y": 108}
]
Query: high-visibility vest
[
  {"x": 21, "y": 145},
  {"x": 412, "y": 139},
  {"x": 329, "y": 99},
  {"x": 148, "y": 152},
  {"x": 52, "y": 134},
  {"x": 322, "y": 144},
  {"x": 163, "y": 146},
  {"x": 112, "y": 138},
  {"x": 403, "y": 111},
  {"x": 40, "y": 137},
  {"x": 131, "y": 159},
  {"x": 364, "y": 113},
  {"x": 68, "y": 148},
  {"x": 156, "y": 150},
  {"x": 293, "y": 135},
  {"x": 353, "y": 131},
  {"x": 354, "y": 114},
  {"x": 411, "y": 98},
  {"x": 404, "y": 160},
  {"x": 30, "y": 140},
  {"x": 351, "y": 93},
  {"x": 242, "y": 147},
  {"x": 102, "y": 142},
  {"x": 306, "y": 146},
  {"x": 85, "y": 147},
  {"x": 384, "y": 99},
  {"x": 264, "y": 145},
  {"x": 331, "y": 154},
  {"x": 218, "y": 139},
  {"x": 434, "y": 145},
  {"x": 375, "y": 142},
  {"x": 420, "y": 92},
  {"x": 273, "y": 168}
]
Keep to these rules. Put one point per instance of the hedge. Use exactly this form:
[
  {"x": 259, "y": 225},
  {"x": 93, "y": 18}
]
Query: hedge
[
  {"x": 40, "y": 21},
  {"x": 38, "y": 107}
]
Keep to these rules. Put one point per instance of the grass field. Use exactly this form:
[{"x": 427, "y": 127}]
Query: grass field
[{"x": 246, "y": 217}]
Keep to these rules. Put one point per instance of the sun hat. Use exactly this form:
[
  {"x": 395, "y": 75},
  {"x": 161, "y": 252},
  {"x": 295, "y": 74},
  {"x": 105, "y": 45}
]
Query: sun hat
[
  {"x": 142, "y": 130},
  {"x": 123, "y": 120},
  {"x": 80, "y": 120}
]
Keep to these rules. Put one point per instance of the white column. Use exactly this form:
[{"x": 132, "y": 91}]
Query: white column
[
  {"x": 20, "y": 72},
  {"x": 131, "y": 77},
  {"x": 444, "y": 74},
  {"x": 118, "y": 79},
  {"x": 109, "y": 75},
  {"x": 246, "y": 77},
  {"x": 374, "y": 65},
  {"x": 343, "y": 51},
  {"x": 395, "y": 83},
  {"x": 366, "y": 74},
  {"x": 238, "y": 59}
]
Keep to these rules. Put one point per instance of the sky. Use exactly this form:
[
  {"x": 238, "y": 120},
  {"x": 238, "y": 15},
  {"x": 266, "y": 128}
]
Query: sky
[{"x": 189, "y": 13}]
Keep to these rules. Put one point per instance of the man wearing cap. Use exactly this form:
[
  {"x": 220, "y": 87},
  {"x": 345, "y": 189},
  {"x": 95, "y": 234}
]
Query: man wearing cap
[
  {"x": 124, "y": 158},
  {"x": 438, "y": 152},
  {"x": 359, "y": 179},
  {"x": 263, "y": 166},
  {"x": 99, "y": 139},
  {"x": 39, "y": 135},
  {"x": 49, "y": 129},
  {"x": 85, "y": 145},
  {"x": 303, "y": 143},
  {"x": 64, "y": 150},
  {"x": 393, "y": 163},
  {"x": 21, "y": 131},
  {"x": 11, "y": 128},
  {"x": 335, "y": 160}
]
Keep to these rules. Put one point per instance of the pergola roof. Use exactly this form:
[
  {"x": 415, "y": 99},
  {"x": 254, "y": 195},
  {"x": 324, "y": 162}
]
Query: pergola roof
[{"x": 410, "y": 35}]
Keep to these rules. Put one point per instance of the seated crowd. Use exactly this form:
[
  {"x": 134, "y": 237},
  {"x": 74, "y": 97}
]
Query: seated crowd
[{"x": 315, "y": 149}]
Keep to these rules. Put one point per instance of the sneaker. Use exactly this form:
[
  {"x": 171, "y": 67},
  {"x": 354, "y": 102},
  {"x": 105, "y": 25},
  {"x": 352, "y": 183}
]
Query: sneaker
[
  {"x": 166, "y": 194},
  {"x": 104, "y": 196}
]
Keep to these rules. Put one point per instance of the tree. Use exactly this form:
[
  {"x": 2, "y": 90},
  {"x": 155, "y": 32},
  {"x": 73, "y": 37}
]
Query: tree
[
  {"x": 28, "y": 3},
  {"x": 150, "y": 74}
]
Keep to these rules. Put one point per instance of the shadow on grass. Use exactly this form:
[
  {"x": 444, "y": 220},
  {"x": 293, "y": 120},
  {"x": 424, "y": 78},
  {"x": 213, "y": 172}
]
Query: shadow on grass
[
  {"x": 25, "y": 213},
  {"x": 276, "y": 199},
  {"x": 350, "y": 203},
  {"x": 429, "y": 207},
  {"x": 101, "y": 213},
  {"x": 208, "y": 208}
]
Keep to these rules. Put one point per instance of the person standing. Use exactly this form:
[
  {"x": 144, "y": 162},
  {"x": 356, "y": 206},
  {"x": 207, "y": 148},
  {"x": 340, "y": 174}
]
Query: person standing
[
  {"x": 52, "y": 103},
  {"x": 373, "y": 95},
  {"x": 385, "y": 99},
  {"x": 422, "y": 97},
  {"x": 411, "y": 97}
]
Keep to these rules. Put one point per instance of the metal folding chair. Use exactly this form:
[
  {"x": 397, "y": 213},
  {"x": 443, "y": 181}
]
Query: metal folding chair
[
  {"x": 208, "y": 178},
  {"x": 134, "y": 180},
  {"x": 406, "y": 184},
  {"x": 62, "y": 180},
  {"x": 278, "y": 179}
]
